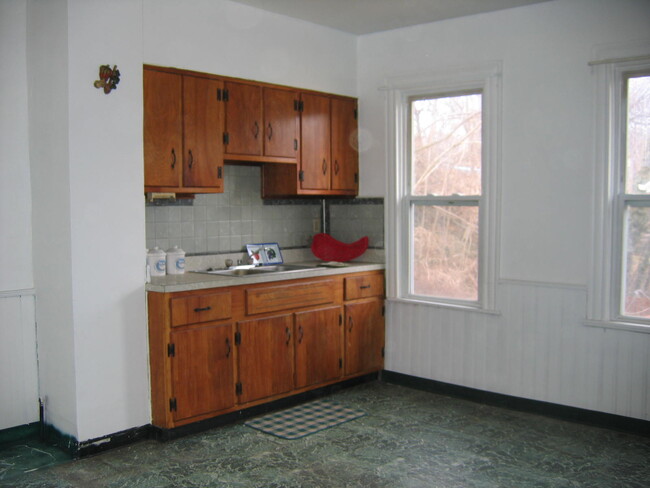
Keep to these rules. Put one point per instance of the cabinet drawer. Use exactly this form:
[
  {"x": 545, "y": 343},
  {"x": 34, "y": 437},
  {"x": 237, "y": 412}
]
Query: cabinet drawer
[
  {"x": 285, "y": 297},
  {"x": 193, "y": 309},
  {"x": 364, "y": 286}
]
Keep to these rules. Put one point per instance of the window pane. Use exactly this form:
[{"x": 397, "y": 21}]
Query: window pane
[
  {"x": 637, "y": 171},
  {"x": 445, "y": 251},
  {"x": 636, "y": 293},
  {"x": 446, "y": 145}
]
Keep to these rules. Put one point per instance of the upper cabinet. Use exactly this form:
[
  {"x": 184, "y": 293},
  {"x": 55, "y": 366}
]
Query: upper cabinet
[
  {"x": 183, "y": 126},
  {"x": 329, "y": 160},
  {"x": 262, "y": 123},
  {"x": 193, "y": 122}
]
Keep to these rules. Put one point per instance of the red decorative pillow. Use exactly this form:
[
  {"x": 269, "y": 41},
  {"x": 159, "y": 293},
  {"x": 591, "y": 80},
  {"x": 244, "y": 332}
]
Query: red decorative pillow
[{"x": 325, "y": 247}]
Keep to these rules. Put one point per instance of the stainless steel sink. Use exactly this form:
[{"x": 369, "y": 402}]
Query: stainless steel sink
[{"x": 258, "y": 270}]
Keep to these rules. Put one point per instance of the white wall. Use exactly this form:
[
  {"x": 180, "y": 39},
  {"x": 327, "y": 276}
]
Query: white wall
[
  {"x": 89, "y": 243},
  {"x": 19, "y": 382},
  {"x": 231, "y": 39},
  {"x": 538, "y": 347},
  {"x": 15, "y": 193}
]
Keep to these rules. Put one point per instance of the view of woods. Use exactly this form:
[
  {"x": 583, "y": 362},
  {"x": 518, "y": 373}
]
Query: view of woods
[
  {"x": 637, "y": 182},
  {"x": 446, "y": 161}
]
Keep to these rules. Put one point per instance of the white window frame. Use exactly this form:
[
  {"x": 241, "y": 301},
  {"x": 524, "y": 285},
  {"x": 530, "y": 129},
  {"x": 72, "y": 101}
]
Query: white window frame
[
  {"x": 604, "y": 302},
  {"x": 486, "y": 80}
]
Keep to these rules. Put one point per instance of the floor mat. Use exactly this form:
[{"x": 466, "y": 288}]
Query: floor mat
[{"x": 306, "y": 419}]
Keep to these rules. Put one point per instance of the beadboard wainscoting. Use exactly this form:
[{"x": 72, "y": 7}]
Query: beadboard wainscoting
[
  {"x": 538, "y": 347},
  {"x": 19, "y": 378}
]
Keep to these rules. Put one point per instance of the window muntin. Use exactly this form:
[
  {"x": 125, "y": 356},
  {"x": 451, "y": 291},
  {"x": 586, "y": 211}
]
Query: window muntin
[
  {"x": 634, "y": 195},
  {"x": 445, "y": 182}
]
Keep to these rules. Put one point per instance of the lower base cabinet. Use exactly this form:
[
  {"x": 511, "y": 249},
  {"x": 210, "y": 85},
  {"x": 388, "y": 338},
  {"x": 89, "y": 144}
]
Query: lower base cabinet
[
  {"x": 219, "y": 350},
  {"x": 364, "y": 336},
  {"x": 319, "y": 357},
  {"x": 265, "y": 350},
  {"x": 202, "y": 369}
]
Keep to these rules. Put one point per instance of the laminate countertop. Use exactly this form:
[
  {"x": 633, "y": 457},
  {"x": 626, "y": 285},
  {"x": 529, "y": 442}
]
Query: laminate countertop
[{"x": 191, "y": 280}]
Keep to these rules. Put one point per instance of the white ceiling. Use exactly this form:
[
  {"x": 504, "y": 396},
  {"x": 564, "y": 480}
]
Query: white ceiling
[{"x": 367, "y": 16}]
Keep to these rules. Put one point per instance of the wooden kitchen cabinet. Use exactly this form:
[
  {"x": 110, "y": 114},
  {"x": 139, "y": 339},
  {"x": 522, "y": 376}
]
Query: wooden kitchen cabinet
[
  {"x": 217, "y": 350},
  {"x": 329, "y": 161},
  {"x": 364, "y": 336},
  {"x": 262, "y": 123},
  {"x": 183, "y": 127},
  {"x": 202, "y": 370},
  {"x": 266, "y": 357},
  {"x": 319, "y": 357},
  {"x": 345, "y": 154}
]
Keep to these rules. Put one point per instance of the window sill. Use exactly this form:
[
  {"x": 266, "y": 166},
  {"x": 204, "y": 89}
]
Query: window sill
[
  {"x": 619, "y": 325},
  {"x": 447, "y": 306}
]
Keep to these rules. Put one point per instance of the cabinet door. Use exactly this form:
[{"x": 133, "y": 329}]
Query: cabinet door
[
  {"x": 163, "y": 129},
  {"x": 244, "y": 119},
  {"x": 345, "y": 157},
  {"x": 203, "y": 129},
  {"x": 315, "y": 136},
  {"x": 266, "y": 357},
  {"x": 202, "y": 370},
  {"x": 364, "y": 336},
  {"x": 318, "y": 346},
  {"x": 281, "y": 123}
]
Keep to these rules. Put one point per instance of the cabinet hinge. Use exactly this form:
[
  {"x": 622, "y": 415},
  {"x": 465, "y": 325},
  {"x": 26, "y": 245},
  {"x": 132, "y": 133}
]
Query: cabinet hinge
[
  {"x": 219, "y": 172},
  {"x": 219, "y": 94},
  {"x": 340, "y": 363},
  {"x": 301, "y": 175},
  {"x": 226, "y": 95},
  {"x": 237, "y": 338},
  {"x": 356, "y": 178},
  {"x": 301, "y": 106},
  {"x": 356, "y": 114},
  {"x": 238, "y": 388},
  {"x": 172, "y": 405},
  {"x": 226, "y": 138},
  {"x": 171, "y": 350}
]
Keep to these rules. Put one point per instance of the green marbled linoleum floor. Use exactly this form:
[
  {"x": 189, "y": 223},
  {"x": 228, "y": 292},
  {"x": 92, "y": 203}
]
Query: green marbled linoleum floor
[{"x": 409, "y": 438}]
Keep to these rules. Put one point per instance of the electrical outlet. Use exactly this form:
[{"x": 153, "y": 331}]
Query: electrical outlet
[{"x": 315, "y": 225}]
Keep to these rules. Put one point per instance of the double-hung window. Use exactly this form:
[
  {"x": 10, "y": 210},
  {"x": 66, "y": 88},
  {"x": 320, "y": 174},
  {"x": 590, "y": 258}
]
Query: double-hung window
[
  {"x": 442, "y": 195},
  {"x": 619, "y": 291},
  {"x": 633, "y": 199}
]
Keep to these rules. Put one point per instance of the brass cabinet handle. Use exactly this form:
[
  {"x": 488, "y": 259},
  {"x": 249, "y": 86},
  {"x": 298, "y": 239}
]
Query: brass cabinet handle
[
  {"x": 324, "y": 166},
  {"x": 288, "y": 335},
  {"x": 364, "y": 287},
  {"x": 228, "y": 348},
  {"x": 270, "y": 131},
  {"x": 173, "y": 158},
  {"x": 336, "y": 167},
  {"x": 191, "y": 161},
  {"x": 300, "y": 334},
  {"x": 256, "y": 131},
  {"x": 351, "y": 322},
  {"x": 204, "y": 309}
]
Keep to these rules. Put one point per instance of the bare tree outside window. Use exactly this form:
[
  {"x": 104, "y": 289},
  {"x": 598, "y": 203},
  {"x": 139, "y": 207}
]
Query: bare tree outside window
[
  {"x": 636, "y": 235},
  {"x": 446, "y": 137}
]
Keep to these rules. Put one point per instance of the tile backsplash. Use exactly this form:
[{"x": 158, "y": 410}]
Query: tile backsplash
[{"x": 225, "y": 222}]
